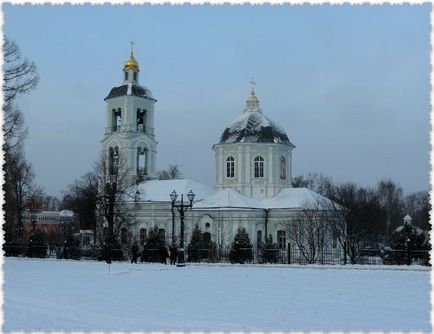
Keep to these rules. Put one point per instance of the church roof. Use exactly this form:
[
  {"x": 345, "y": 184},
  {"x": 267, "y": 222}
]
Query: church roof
[
  {"x": 228, "y": 199},
  {"x": 253, "y": 127},
  {"x": 130, "y": 89},
  {"x": 298, "y": 198}
]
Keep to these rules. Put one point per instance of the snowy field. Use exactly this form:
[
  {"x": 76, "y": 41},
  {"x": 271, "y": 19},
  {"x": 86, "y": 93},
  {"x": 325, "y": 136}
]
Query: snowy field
[{"x": 49, "y": 295}]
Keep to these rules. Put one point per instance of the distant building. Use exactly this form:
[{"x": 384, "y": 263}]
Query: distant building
[{"x": 58, "y": 225}]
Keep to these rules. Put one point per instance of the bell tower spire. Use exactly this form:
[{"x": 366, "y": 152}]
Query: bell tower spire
[
  {"x": 129, "y": 136},
  {"x": 131, "y": 68}
]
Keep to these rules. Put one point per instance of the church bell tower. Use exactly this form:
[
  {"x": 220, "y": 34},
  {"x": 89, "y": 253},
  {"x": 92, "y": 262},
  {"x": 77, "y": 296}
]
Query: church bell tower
[{"x": 129, "y": 145}]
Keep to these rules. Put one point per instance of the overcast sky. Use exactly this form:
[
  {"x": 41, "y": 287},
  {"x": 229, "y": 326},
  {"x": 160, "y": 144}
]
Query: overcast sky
[{"x": 349, "y": 84}]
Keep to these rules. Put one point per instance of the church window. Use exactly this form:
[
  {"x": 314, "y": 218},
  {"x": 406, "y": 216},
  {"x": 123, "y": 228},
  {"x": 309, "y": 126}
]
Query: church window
[
  {"x": 142, "y": 236},
  {"x": 283, "y": 168},
  {"x": 126, "y": 76},
  {"x": 141, "y": 114},
  {"x": 124, "y": 235},
  {"x": 230, "y": 167},
  {"x": 117, "y": 115},
  {"x": 206, "y": 237},
  {"x": 259, "y": 166},
  {"x": 141, "y": 161},
  {"x": 259, "y": 237},
  {"x": 281, "y": 239},
  {"x": 135, "y": 76}
]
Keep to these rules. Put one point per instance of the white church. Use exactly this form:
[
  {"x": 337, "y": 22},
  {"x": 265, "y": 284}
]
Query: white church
[{"x": 253, "y": 172}]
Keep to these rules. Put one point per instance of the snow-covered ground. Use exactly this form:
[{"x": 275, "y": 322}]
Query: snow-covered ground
[{"x": 48, "y": 295}]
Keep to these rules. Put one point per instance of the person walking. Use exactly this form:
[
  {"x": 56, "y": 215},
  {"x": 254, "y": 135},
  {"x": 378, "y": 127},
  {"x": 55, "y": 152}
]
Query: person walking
[
  {"x": 164, "y": 254},
  {"x": 173, "y": 255},
  {"x": 134, "y": 252}
]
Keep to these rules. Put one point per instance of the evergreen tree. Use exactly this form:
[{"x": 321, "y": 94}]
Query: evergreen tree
[
  {"x": 37, "y": 246},
  {"x": 71, "y": 249},
  {"x": 152, "y": 246},
  {"x": 195, "y": 246},
  {"x": 407, "y": 243},
  {"x": 241, "y": 247}
]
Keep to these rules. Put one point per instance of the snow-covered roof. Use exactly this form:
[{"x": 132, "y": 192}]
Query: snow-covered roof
[
  {"x": 228, "y": 199},
  {"x": 296, "y": 198},
  {"x": 66, "y": 213},
  {"x": 418, "y": 230},
  {"x": 253, "y": 127},
  {"x": 159, "y": 190},
  {"x": 130, "y": 89}
]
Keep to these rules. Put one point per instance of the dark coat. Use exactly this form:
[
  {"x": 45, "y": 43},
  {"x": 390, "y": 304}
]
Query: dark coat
[
  {"x": 173, "y": 253},
  {"x": 135, "y": 251}
]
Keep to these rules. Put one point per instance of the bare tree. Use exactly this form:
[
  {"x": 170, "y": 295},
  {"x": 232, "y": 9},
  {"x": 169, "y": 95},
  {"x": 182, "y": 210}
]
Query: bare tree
[
  {"x": 18, "y": 174},
  {"x": 309, "y": 230},
  {"x": 19, "y": 74},
  {"x": 81, "y": 197},
  {"x": 318, "y": 183},
  {"x": 172, "y": 173},
  {"x": 418, "y": 207},
  {"x": 356, "y": 218},
  {"x": 390, "y": 197},
  {"x": 115, "y": 205},
  {"x": 19, "y": 77}
]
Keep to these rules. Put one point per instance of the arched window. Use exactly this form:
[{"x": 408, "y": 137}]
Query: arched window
[
  {"x": 135, "y": 76},
  {"x": 259, "y": 237},
  {"x": 259, "y": 166},
  {"x": 206, "y": 238},
  {"x": 230, "y": 167},
  {"x": 117, "y": 121},
  {"x": 283, "y": 168},
  {"x": 141, "y": 161},
  {"x": 281, "y": 239},
  {"x": 126, "y": 75}
]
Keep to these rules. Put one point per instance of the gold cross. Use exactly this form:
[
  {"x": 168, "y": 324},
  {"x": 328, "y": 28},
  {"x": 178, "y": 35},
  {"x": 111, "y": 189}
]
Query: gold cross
[{"x": 253, "y": 83}]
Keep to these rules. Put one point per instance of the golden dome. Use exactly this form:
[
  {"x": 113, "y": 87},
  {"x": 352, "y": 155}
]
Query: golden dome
[
  {"x": 253, "y": 96},
  {"x": 131, "y": 64}
]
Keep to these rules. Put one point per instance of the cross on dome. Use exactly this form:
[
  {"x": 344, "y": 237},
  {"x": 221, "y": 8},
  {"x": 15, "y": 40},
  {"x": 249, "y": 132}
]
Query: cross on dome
[
  {"x": 253, "y": 83},
  {"x": 132, "y": 46},
  {"x": 131, "y": 63}
]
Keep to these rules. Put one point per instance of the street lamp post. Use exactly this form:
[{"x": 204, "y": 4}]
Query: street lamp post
[
  {"x": 407, "y": 242},
  {"x": 181, "y": 208},
  {"x": 173, "y": 225}
]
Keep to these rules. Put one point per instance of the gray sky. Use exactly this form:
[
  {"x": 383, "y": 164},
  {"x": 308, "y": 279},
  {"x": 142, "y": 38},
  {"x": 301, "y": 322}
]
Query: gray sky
[{"x": 349, "y": 84}]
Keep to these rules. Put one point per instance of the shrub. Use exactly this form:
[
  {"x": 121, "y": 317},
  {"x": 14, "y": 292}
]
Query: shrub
[
  {"x": 14, "y": 248},
  {"x": 37, "y": 246},
  {"x": 152, "y": 247},
  {"x": 241, "y": 247}
]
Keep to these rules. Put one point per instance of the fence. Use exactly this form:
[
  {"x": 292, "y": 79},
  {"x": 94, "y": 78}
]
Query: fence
[{"x": 256, "y": 255}]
